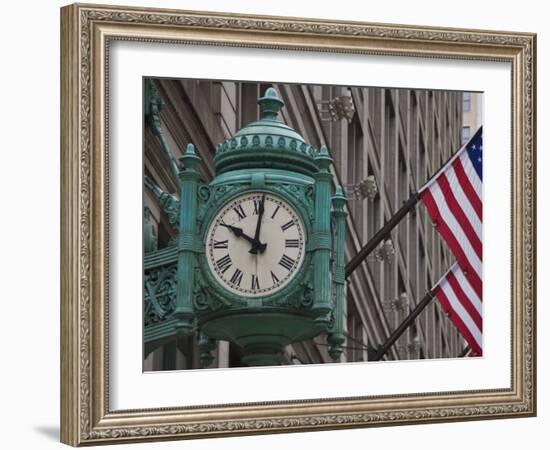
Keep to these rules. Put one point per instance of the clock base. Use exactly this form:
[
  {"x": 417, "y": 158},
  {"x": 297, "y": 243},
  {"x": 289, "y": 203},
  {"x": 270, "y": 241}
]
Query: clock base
[
  {"x": 262, "y": 355},
  {"x": 262, "y": 336}
]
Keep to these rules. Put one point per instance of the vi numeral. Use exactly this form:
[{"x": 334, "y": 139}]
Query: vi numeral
[{"x": 255, "y": 284}]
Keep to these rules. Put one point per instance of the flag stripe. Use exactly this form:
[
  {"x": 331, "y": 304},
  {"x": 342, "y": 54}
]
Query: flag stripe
[
  {"x": 465, "y": 301},
  {"x": 457, "y": 321},
  {"x": 468, "y": 291},
  {"x": 464, "y": 202},
  {"x": 456, "y": 210},
  {"x": 459, "y": 311},
  {"x": 444, "y": 216},
  {"x": 468, "y": 188},
  {"x": 472, "y": 276}
]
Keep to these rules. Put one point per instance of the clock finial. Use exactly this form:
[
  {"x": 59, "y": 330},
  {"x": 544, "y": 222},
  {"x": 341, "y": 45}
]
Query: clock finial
[{"x": 270, "y": 104}]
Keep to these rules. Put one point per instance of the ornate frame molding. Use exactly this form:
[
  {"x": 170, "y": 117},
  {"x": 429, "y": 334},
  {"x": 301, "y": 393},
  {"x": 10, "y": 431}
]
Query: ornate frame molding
[{"x": 86, "y": 31}]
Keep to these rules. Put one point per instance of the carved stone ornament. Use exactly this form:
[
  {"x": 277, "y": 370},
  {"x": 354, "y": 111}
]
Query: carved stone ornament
[{"x": 86, "y": 415}]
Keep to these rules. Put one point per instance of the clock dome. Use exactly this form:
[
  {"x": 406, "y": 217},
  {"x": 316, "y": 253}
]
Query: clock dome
[{"x": 266, "y": 143}]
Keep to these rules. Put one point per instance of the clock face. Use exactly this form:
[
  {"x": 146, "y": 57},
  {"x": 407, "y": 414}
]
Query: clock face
[{"x": 255, "y": 245}]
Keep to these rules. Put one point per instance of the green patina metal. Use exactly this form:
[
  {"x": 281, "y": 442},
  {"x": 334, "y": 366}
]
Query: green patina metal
[{"x": 181, "y": 295}]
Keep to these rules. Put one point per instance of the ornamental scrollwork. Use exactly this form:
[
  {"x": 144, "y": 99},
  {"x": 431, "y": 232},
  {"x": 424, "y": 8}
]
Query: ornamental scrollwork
[
  {"x": 211, "y": 196},
  {"x": 171, "y": 206},
  {"x": 203, "y": 300},
  {"x": 303, "y": 194},
  {"x": 204, "y": 194},
  {"x": 224, "y": 190},
  {"x": 159, "y": 294},
  {"x": 306, "y": 300}
]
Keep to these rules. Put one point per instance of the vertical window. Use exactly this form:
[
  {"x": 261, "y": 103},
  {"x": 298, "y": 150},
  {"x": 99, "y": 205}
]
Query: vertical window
[
  {"x": 422, "y": 272},
  {"x": 353, "y": 352},
  {"x": 466, "y": 102},
  {"x": 413, "y": 135},
  {"x": 403, "y": 195},
  {"x": 465, "y": 134},
  {"x": 389, "y": 150},
  {"x": 373, "y": 210},
  {"x": 413, "y": 252},
  {"x": 249, "y": 108},
  {"x": 375, "y": 111},
  {"x": 227, "y": 107}
]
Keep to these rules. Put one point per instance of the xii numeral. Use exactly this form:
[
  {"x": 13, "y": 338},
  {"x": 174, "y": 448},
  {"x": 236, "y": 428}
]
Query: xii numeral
[{"x": 257, "y": 204}]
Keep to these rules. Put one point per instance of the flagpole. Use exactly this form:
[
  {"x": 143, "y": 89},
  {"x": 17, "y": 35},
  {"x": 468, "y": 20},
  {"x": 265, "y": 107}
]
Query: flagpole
[
  {"x": 381, "y": 234},
  {"x": 402, "y": 212},
  {"x": 381, "y": 351}
]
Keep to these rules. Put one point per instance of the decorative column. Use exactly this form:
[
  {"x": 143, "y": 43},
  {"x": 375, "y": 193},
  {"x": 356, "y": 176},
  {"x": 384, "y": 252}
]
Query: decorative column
[
  {"x": 150, "y": 239},
  {"x": 336, "y": 336},
  {"x": 321, "y": 239},
  {"x": 189, "y": 242},
  {"x": 153, "y": 106},
  {"x": 206, "y": 346}
]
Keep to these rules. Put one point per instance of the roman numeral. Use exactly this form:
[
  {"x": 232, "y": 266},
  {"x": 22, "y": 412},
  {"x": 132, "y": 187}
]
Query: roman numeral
[
  {"x": 274, "y": 278},
  {"x": 287, "y": 262},
  {"x": 224, "y": 263},
  {"x": 256, "y": 206},
  {"x": 275, "y": 212},
  {"x": 237, "y": 277},
  {"x": 287, "y": 225},
  {"x": 255, "y": 282},
  {"x": 220, "y": 244},
  {"x": 239, "y": 211},
  {"x": 292, "y": 243}
]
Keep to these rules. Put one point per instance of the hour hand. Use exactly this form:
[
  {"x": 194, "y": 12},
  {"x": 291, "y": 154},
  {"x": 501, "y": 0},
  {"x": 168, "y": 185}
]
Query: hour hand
[{"x": 238, "y": 232}]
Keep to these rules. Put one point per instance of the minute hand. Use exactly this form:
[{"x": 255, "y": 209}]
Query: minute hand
[{"x": 258, "y": 246}]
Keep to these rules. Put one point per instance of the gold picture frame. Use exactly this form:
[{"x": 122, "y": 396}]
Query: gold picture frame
[{"x": 86, "y": 33}]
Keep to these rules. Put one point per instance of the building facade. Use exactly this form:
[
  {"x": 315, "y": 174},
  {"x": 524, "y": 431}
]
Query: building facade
[
  {"x": 472, "y": 114},
  {"x": 385, "y": 144}
]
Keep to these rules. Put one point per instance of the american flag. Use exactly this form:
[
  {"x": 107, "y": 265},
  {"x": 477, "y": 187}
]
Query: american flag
[
  {"x": 462, "y": 306},
  {"x": 453, "y": 198}
]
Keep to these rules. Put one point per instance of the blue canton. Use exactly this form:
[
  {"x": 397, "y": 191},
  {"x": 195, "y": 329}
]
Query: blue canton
[{"x": 475, "y": 152}]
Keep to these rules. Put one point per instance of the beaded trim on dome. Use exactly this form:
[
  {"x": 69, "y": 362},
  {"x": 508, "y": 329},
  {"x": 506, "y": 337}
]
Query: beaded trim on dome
[
  {"x": 258, "y": 142},
  {"x": 267, "y": 142}
]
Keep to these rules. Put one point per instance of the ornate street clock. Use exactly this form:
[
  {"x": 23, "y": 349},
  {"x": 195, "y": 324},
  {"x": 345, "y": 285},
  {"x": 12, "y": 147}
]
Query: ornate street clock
[
  {"x": 256, "y": 244},
  {"x": 260, "y": 252}
]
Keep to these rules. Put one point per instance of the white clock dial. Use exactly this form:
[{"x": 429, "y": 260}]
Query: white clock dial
[{"x": 255, "y": 262}]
